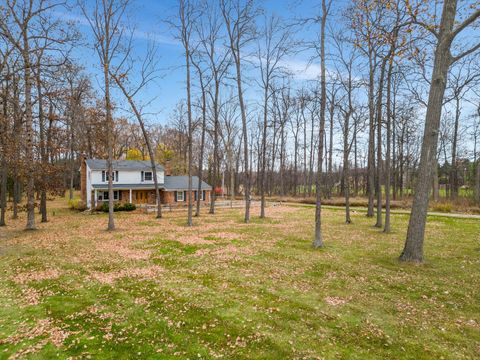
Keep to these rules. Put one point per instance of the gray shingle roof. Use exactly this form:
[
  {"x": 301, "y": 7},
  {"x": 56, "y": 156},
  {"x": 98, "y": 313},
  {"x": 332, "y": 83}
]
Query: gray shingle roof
[
  {"x": 181, "y": 183},
  {"x": 98, "y": 164}
]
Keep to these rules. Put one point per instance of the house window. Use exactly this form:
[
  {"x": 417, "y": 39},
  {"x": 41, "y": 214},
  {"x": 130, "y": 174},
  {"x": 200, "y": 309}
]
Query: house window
[
  {"x": 148, "y": 176},
  {"x": 180, "y": 196},
  {"x": 202, "y": 196},
  {"x": 105, "y": 176},
  {"x": 103, "y": 195}
]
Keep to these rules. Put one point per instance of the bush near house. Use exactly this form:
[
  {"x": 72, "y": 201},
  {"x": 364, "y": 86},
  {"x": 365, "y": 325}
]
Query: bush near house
[
  {"x": 77, "y": 204},
  {"x": 118, "y": 207}
]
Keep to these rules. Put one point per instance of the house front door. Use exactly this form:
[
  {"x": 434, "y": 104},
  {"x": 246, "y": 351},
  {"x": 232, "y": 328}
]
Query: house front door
[{"x": 142, "y": 197}]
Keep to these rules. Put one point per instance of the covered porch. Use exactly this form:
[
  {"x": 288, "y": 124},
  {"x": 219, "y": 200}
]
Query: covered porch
[{"x": 137, "y": 196}]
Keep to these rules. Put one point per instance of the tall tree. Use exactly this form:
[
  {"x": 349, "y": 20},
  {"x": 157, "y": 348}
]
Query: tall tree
[
  {"x": 186, "y": 16},
  {"x": 239, "y": 19},
  {"x": 21, "y": 24},
  {"x": 318, "y": 242},
  {"x": 443, "y": 59},
  {"x": 147, "y": 74},
  {"x": 273, "y": 45},
  {"x": 105, "y": 20}
]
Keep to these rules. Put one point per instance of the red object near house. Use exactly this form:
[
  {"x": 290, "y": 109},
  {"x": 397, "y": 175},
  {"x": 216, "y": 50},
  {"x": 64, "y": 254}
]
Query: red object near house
[{"x": 218, "y": 191}]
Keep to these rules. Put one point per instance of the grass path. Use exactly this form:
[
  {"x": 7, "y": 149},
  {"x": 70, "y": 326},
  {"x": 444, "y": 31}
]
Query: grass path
[{"x": 223, "y": 289}]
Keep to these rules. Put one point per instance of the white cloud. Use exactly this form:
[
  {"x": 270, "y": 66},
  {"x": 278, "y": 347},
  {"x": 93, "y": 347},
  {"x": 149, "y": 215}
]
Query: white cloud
[
  {"x": 137, "y": 34},
  {"x": 302, "y": 70}
]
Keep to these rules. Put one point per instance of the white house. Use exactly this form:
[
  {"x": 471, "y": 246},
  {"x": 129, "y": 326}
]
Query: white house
[{"x": 133, "y": 183}]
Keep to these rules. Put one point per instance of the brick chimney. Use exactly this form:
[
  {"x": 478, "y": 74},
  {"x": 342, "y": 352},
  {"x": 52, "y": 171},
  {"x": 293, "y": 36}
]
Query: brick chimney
[
  {"x": 168, "y": 168},
  {"x": 83, "y": 178}
]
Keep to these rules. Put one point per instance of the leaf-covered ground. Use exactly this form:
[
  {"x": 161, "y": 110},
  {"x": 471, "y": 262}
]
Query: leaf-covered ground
[{"x": 223, "y": 289}]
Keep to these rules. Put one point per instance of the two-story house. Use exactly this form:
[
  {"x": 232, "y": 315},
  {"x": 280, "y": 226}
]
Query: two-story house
[{"x": 133, "y": 183}]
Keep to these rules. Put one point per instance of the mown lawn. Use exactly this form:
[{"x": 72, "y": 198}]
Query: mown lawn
[{"x": 223, "y": 289}]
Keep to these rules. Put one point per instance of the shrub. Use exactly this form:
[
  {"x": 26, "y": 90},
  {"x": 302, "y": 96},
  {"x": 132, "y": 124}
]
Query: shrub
[
  {"x": 129, "y": 207},
  {"x": 77, "y": 204},
  {"x": 104, "y": 207},
  {"x": 442, "y": 207},
  {"x": 118, "y": 207}
]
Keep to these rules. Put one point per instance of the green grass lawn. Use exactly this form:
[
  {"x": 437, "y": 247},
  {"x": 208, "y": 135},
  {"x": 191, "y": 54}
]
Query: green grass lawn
[{"x": 223, "y": 289}]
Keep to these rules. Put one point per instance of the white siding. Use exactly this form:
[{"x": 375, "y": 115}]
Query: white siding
[
  {"x": 125, "y": 177},
  {"x": 89, "y": 186}
]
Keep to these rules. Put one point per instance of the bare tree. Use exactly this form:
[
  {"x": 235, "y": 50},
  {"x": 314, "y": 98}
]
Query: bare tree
[
  {"x": 147, "y": 74},
  {"x": 239, "y": 20},
  {"x": 445, "y": 35},
  {"x": 345, "y": 67},
  {"x": 105, "y": 20},
  {"x": 318, "y": 242},
  {"x": 4, "y": 88},
  {"x": 21, "y": 23},
  {"x": 218, "y": 62},
  {"x": 186, "y": 16},
  {"x": 274, "y": 44}
]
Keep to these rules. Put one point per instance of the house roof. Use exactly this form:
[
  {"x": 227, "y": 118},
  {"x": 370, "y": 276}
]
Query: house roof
[
  {"x": 181, "y": 183},
  {"x": 98, "y": 164}
]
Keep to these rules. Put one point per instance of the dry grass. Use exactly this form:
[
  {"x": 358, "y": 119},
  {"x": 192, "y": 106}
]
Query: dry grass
[{"x": 225, "y": 289}]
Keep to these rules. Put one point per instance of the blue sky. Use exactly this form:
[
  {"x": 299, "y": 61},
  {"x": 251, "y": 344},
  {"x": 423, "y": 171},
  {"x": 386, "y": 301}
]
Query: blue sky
[{"x": 149, "y": 18}]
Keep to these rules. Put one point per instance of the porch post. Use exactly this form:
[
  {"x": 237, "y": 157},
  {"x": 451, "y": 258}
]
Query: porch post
[
  {"x": 95, "y": 198},
  {"x": 130, "y": 196}
]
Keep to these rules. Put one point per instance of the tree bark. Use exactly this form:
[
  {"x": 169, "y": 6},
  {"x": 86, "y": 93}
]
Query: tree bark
[
  {"x": 413, "y": 250},
  {"x": 371, "y": 137},
  {"x": 318, "y": 242},
  {"x": 202, "y": 143},
  {"x": 41, "y": 122},
  {"x": 379, "y": 143},
  {"x": 264, "y": 151},
  {"x": 3, "y": 157},
  {"x": 29, "y": 134},
  {"x": 454, "y": 169},
  {"x": 387, "y": 226},
  {"x": 109, "y": 123}
]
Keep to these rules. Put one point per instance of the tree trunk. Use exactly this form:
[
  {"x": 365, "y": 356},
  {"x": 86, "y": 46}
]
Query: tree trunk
[
  {"x": 216, "y": 165},
  {"x": 346, "y": 167},
  {"x": 413, "y": 250},
  {"x": 330, "y": 146},
  {"x": 3, "y": 156},
  {"x": 245, "y": 139},
  {"x": 379, "y": 143},
  {"x": 436, "y": 192},
  {"x": 454, "y": 170},
  {"x": 29, "y": 136},
  {"x": 371, "y": 138},
  {"x": 477, "y": 182},
  {"x": 202, "y": 145},
  {"x": 264, "y": 151},
  {"x": 110, "y": 129},
  {"x": 41, "y": 130},
  {"x": 318, "y": 242},
  {"x": 389, "y": 145}
]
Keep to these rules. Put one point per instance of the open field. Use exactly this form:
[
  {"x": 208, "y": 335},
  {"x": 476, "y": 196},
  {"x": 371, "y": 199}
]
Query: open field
[{"x": 223, "y": 289}]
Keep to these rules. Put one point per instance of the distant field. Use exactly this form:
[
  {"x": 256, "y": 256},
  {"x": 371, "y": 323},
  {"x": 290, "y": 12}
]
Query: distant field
[{"x": 224, "y": 289}]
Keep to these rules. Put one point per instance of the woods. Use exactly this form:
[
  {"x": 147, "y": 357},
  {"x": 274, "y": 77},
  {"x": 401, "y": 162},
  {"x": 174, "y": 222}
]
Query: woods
[
  {"x": 370, "y": 102},
  {"x": 239, "y": 179}
]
